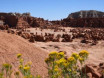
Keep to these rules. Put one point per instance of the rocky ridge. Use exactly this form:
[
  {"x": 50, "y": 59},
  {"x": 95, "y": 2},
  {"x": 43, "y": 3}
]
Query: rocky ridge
[
  {"x": 17, "y": 20},
  {"x": 87, "y": 14},
  {"x": 89, "y": 18}
]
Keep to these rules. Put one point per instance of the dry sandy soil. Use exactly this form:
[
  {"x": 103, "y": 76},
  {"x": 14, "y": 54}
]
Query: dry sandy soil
[
  {"x": 96, "y": 52},
  {"x": 11, "y": 45}
]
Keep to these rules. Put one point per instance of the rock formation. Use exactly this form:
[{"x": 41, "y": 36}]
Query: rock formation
[
  {"x": 22, "y": 20},
  {"x": 89, "y": 18},
  {"x": 87, "y": 14}
]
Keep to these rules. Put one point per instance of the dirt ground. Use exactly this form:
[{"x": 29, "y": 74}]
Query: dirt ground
[
  {"x": 96, "y": 51},
  {"x": 36, "y": 52},
  {"x": 11, "y": 45}
]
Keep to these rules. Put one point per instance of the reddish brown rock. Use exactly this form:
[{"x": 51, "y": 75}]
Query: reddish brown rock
[
  {"x": 17, "y": 20},
  {"x": 32, "y": 39},
  {"x": 89, "y": 75},
  {"x": 93, "y": 70}
]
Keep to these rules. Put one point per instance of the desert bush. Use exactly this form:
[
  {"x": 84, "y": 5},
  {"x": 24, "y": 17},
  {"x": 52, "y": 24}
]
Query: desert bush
[
  {"x": 24, "y": 69},
  {"x": 61, "y": 67},
  {"x": 6, "y": 71}
]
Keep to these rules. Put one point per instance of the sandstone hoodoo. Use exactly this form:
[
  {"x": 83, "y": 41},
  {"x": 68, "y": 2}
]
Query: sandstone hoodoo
[
  {"x": 89, "y": 18},
  {"x": 34, "y": 38},
  {"x": 16, "y": 20},
  {"x": 38, "y": 39}
]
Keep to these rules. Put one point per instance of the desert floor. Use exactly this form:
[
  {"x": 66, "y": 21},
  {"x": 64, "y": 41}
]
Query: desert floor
[{"x": 96, "y": 52}]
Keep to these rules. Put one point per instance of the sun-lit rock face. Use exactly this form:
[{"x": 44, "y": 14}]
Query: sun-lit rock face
[
  {"x": 21, "y": 20},
  {"x": 90, "y": 18},
  {"x": 87, "y": 18},
  {"x": 87, "y": 14}
]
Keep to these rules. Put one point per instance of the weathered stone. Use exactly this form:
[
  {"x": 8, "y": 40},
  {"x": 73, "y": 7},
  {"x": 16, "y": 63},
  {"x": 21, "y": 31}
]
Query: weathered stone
[
  {"x": 92, "y": 70},
  {"x": 89, "y": 75}
]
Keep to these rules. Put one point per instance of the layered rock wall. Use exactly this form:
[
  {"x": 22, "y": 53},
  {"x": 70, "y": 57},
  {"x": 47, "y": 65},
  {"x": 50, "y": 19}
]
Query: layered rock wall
[{"x": 21, "y": 20}]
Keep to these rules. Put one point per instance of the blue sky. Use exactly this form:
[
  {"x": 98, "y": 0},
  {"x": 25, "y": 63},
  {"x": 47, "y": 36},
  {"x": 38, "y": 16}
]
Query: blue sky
[{"x": 50, "y": 9}]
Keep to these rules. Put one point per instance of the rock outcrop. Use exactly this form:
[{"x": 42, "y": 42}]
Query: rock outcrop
[
  {"x": 94, "y": 71},
  {"x": 87, "y": 14},
  {"x": 83, "y": 22},
  {"x": 16, "y": 20},
  {"x": 89, "y": 18}
]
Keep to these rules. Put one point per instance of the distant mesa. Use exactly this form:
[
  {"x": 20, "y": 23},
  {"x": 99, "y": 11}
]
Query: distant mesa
[
  {"x": 87, "y": 14},
  {"x": 84, "y": 18}
]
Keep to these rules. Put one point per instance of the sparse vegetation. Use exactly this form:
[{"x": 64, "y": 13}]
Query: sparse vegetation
[
  {"x": 24, "y": 69},
  {"x": 59, "y": 66}
]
